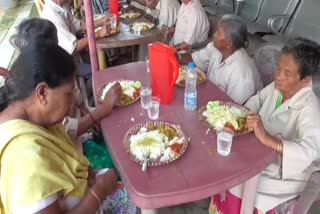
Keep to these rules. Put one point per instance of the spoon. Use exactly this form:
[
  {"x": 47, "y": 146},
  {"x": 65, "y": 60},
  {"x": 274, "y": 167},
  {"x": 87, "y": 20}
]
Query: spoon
[{"x": 145, "y": 163}]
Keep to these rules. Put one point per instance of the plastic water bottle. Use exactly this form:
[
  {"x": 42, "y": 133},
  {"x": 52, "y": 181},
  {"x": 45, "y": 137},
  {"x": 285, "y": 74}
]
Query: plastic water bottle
[{"x": 190, "y": 93}]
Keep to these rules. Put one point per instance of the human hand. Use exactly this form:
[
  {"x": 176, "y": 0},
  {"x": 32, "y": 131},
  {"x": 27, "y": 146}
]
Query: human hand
[
  {"x": 107, "y": 182},
  {"x": 104, "y": 31},
  {"x": 166, "y": 29},
  {"x": 4, "y": 72},
  {"x": 255, "y": 124},
  {"x": 112, "y": 96}
]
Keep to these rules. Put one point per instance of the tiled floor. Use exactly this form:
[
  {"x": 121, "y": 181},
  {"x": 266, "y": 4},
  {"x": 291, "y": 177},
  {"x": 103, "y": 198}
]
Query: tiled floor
[{"x": 9, "y": 19}]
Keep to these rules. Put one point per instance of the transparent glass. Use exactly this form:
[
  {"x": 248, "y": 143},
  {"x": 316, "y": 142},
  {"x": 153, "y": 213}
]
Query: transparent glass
[
  {"x": 113, "y": 22},
  {"x": 145, "y": 97},
  {"x": 224, "y": 142},
  {"x": 153, "y": 110}
]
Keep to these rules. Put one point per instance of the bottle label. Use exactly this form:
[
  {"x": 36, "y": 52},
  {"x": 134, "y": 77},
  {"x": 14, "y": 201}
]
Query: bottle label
[{"x": 190, "y": 101}]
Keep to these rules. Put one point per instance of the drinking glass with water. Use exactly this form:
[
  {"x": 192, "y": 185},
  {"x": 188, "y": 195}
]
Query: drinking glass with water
[
  {"x": 113, "y": 21},
  {"x": 145, "y": 97},
  {"x": 153, "y": 110},
  {"x": 224, "y": 142}
]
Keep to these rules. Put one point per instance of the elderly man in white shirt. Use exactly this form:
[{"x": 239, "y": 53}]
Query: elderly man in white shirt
[
  {"x": 166, "y": 11},
  {"x": 68, "y": 26},
  {"x": 192, "y": 25},
  {"x": 226, "y": 62}
]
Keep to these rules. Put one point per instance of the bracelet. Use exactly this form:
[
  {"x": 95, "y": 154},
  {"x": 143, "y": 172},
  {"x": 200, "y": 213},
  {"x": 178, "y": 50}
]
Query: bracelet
[
  {"x": 96, "y": 196},
  {"x": 92, "y": 118},
  {"x": 279, "y": 146}
]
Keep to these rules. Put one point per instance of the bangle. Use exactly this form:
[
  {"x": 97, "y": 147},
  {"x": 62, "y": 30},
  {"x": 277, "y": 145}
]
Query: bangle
[
  {"x": 279, "y": 146},
  {"x": 92, "y": 118},
  {"x": 96, "y": 196}
]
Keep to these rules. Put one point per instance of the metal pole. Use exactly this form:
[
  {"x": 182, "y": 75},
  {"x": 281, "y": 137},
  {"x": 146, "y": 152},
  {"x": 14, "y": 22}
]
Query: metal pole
[{"x": 91, "y": 35}]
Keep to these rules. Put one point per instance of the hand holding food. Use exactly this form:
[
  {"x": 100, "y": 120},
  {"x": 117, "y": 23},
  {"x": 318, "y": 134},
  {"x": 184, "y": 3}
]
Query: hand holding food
[
  {"x": 254, "y": 123},
  {"x": 130, "y": 91},
  {"x": 104, "y": 31}
]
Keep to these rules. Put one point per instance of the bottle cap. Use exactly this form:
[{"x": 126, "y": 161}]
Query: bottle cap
[{"x": 191, "y": 65}]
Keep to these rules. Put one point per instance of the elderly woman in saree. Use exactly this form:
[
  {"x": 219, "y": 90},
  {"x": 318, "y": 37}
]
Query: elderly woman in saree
[
  {"x": 41, "y": 172},
  {"x": 286, "y": 118},
  {"x": 79, "y": 128}
]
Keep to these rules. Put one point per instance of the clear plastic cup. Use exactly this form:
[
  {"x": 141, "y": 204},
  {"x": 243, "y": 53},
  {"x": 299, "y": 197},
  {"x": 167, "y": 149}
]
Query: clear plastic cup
[
  {"x": 153, "y": 110},
  {"x": 145, "y": 97},
  {"x": 224, "y": 142},
  {"x": 113, "y": 22},
  {"x": 136, "y": 31}
]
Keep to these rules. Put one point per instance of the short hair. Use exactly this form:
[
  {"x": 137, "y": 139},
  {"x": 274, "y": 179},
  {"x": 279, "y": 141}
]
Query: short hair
[
  {"x": 39, "y": 61},
  {"x": 236, "y": 30},
  {"x": 306, "y": 54},
  {"x": 34, "y": 29}
]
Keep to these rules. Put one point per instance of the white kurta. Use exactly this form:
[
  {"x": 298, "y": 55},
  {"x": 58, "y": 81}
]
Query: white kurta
[
  {"x": 192, "y": 24},
  {"x": 166, "y": 11},
  {"x": 297, "y": 123},
  {"x": 65, "y": 23},
  {"x": 238, "y": 75}
]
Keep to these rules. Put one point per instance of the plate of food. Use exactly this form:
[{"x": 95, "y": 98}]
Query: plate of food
[
  {"x": 157, "y": 141},
  {"x": 142, "y": 26},
  {"x": 181, "y": 81},
  {"x": 225, "y": 116},
  {"x": 112, "y": 32},
  {"x": 130, "y": 15},
  {"x": 130, "y": 91}
]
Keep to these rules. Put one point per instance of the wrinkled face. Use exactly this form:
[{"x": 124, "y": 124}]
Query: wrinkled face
[
  {"x": 287, "y": 76},
  {"x": 151, "y": 4},
  {"x": 220, "y": 41},
  {"x": 56, "y": 102}
]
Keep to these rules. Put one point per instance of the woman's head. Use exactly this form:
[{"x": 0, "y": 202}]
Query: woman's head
[
  {"x": 230, "y": 33},
  {"x": 41, "y": 80},
  {"x": 299, "y": 61},
  {"x": 34, "y": 29}
]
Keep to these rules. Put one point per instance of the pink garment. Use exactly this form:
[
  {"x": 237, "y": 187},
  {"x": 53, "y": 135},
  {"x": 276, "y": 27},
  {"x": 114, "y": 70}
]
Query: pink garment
[{"x": 230, "y": 205}]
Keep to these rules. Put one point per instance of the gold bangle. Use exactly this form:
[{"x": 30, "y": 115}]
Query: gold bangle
[
  {"x": 279, "y": 146},
  {"x": 96, "y": 196}
]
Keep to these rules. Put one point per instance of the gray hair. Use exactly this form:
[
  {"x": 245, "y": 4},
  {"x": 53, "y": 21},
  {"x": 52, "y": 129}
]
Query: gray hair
[
  {"x": 236, "y": 30},
  {"x": 34, "y": 29}
]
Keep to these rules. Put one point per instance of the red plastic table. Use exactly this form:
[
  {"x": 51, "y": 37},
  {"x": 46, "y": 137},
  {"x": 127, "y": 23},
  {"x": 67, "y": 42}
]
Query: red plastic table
[{"x": 201, "y": 171}]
